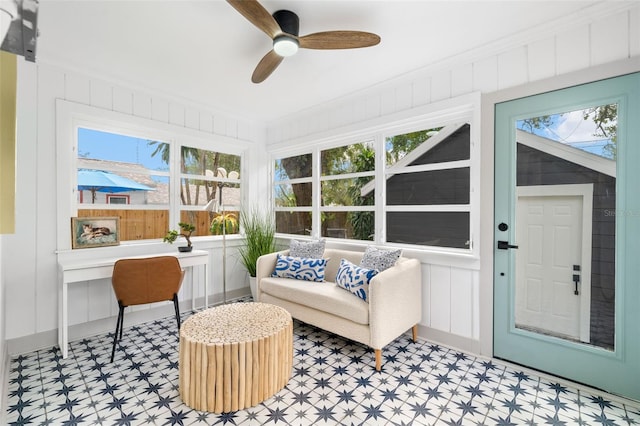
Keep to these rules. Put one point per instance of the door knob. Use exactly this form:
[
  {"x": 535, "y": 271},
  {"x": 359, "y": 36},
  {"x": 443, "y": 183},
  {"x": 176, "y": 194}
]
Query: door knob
[{"x": 504, "y": 245}]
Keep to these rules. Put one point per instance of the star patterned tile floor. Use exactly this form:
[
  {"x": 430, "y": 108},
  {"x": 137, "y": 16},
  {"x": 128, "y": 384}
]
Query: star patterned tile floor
[{"x": 333, "y": 383}]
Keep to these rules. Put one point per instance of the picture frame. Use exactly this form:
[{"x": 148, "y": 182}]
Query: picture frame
[{"x": 89, "y": 232}]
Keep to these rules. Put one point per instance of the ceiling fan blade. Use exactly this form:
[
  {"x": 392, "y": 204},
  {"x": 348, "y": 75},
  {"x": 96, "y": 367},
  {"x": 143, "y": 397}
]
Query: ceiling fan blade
[
  {"x": 257, "y": 15},
  {"x": 266, "y": 66},
  {"x": 339, "y": 40}
]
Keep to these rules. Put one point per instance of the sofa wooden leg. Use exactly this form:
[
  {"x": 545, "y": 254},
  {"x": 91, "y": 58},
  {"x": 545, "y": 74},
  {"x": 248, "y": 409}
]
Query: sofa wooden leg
[
  {"x": 378, "y": 359},
  {"x": 414, "y": 331}
]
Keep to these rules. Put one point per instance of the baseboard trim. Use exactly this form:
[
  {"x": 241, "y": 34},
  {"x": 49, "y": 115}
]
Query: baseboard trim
[
  {"x": 49, "y": 339},
  {"x": 450, "y": 340},
  {"x": 4, "y": 384}
]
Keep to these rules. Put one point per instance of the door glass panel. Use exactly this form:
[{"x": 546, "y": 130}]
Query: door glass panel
[{"x": 565, "y": 225}]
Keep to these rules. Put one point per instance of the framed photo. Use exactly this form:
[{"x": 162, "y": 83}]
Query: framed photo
[{"x": 95, "y": 232}]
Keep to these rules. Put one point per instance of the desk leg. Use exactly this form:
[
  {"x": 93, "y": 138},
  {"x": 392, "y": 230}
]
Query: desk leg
[{"x": 62, "y": 317}]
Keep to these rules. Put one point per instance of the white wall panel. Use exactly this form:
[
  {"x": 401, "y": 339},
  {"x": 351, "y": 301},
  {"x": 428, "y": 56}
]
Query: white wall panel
[
  {"x": 440, "y": 301},
  {"x": 634, "y": 32},
  {"x": 404, "y": 97},
  {"x": 607, "y": 45},
  {"x": 441, "y": 86},
  {"x": 100, "y": 300},
  {"x": 231, "y": 128},
  {"x": 426, "y": 295},
  {"x": 78, "y": 301},
  {"x": 101, "y": 95},
  {"x": 572, "y": 50},
  {"x": 176, "y": 114},
  {"x": 485, "y": 75},
  {"x": 206, "y": 122},
  {"x": 461, "y": 302},
  {"x": 219, "y": 125},
  {"x": 421, "y": 91},
  {"x": 46, "y": 199},
  {"x": 512, "y": 68},
  {"x": 542, "y": 59},
  {"x": 142, "y": 105},
  {"x": 462, "y": 80},
  {"x": 388, "y": 101},
  {"x": 160, "y": 110},
  {"x": 77, "y": 89},
  {"x": 122, "y": 100},
  {"x": 192, "y": 119}
]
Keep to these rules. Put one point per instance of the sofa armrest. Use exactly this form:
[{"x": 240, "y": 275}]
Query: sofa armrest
[
  {"x": 395, "y": 301},
  {"x": 264, "y": 267}
]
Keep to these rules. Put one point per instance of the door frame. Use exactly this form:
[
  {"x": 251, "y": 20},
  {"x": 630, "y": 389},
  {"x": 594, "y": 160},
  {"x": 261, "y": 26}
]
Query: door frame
[
  {"x": 585, "y": 191},
  {"x": 487, "y": 169}
]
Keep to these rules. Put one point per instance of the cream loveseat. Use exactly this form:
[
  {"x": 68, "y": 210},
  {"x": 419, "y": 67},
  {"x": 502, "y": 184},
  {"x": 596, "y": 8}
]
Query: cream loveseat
[{"x": 394, "y": 303}]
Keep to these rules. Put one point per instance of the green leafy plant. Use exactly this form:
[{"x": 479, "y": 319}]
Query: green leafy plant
[
  {"x": 186, "y": 228},
  {"x": 222, "y": 220},
  {"x": 259, "y": 232}
]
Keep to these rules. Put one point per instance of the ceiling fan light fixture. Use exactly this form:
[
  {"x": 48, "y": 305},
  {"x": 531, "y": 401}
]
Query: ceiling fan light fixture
[{"x": 285, "y": 45}]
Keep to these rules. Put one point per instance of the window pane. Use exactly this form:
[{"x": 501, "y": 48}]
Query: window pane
[
  {"x": 114, "y": 148},
  {"x": 299, "y": 166},
  {"x": 298, "y": 223},
  {"x": 100, "y": 186},
  {"x": 429, "y": 188},
  {"x": 293, "y": 195},
  {"x": 198, "y": 192},
  {"x": 353, "y": 225},
  {"x": 343, "y": 192},
  {"x": 441, "y": 229},
  {"x": 449, "y": 143},
  {"x": 358, "y": 157},
  {"x": 197, "y": 161}
]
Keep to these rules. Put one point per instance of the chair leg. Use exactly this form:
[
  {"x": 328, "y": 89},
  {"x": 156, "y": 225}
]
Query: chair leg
[
  {"x": 378, "y": 359},
  {"x": 414, "y": 331},
  {"x": 118, "y": 329},
  {"x": 175, "y": 305}
]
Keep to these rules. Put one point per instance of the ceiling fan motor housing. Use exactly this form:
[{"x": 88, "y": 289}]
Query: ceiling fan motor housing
[{"x": 288, "y": 21}]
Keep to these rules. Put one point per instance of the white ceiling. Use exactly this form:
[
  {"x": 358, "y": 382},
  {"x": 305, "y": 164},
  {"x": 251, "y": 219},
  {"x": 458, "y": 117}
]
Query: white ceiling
[{"x": 205, "y": 51}]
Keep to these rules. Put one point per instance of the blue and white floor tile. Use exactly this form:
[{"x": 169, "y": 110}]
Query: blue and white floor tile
[{"x": 333, "y": 383}]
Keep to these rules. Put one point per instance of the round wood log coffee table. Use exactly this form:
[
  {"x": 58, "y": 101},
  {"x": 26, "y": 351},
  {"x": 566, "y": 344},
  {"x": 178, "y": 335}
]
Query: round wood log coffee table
[{"x": 235, "y": 356}]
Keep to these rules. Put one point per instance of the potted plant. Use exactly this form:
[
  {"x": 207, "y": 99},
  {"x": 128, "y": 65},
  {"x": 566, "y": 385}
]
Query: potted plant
[
  {"x": 259, "y": 232},
  {"x": 228, "y": 220},
  {"x": 187, "y": 229}
]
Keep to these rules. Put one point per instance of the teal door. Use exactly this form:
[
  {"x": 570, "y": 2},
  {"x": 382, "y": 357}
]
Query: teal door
[{"x": 567, "y": 233}]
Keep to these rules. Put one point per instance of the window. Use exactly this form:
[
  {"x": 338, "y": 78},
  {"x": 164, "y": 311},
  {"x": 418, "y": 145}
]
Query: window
[
  {"x": 406, "y": 185},
  {"x": 293, "y": 194},
  {"x": 133, "y": 178},
  {"x": 345, "y": 211},
  {"x": 428, "y": 187}
]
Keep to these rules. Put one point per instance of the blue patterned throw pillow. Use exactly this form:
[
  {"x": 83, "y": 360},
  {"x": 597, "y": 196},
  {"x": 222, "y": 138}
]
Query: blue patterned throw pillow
[
  {"x": 354, "y": 278},
  {"x": 300, "y": 268},
  {"x": 308, "y": 249},
  {"x": 379, "y": 259}
]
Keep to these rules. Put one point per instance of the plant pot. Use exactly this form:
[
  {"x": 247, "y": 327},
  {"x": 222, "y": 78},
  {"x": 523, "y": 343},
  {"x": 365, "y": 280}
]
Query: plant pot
[
  {"x": 185, "y": 249},
  {"x": 252, "y": 286}
]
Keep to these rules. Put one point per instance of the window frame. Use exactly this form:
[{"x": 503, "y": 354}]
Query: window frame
[
  {"x": 456, "y": 110},
  {"x": 70, "y": 116}
]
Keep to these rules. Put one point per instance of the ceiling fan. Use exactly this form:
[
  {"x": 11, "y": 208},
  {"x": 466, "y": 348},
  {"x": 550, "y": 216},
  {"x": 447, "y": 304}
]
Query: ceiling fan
[{"x": 283, "y": 27}]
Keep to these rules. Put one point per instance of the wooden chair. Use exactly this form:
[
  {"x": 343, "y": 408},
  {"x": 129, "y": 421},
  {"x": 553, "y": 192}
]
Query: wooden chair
[{"x": 142, "y": 281}]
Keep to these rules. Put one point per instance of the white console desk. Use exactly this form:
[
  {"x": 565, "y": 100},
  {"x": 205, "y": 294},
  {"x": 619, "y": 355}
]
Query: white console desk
[{"x": 70, "y": 272}]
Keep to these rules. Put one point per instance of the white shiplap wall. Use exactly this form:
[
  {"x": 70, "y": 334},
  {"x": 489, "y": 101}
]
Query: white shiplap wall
[
  {"x": 29, "y": 260},
  {"x": 608, "y": 33}
]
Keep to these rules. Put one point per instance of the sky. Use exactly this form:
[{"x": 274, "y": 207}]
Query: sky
[
  {"x": 572, "y": 129},
  {"x": 114, "y": 147}
]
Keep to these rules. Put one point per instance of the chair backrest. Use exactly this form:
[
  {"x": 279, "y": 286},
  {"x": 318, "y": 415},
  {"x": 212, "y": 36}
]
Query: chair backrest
[{"x": 146, "y": 280}]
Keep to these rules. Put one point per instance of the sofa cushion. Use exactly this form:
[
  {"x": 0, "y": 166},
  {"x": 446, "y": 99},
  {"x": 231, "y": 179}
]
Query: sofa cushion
[
  {"x": 379, "y": 259},
  {"x": 323, "y": 296},
  {"x": 308, "y": 249},
  {"x": 354, "y": 278},
  {"x": 299, "y": 268}
]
